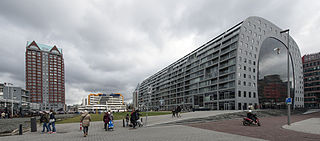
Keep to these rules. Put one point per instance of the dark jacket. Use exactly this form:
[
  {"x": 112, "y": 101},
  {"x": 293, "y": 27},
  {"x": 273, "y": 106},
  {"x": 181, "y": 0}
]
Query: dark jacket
[
  {"x": 106, "y": 118},
  {"x": 44, "y": 118},
  {"x": 127, "y": 118},
  {"x": 133, "y": 116},
  {"x": 52, "y": 116},
  {"x": 178, "y": 109}
]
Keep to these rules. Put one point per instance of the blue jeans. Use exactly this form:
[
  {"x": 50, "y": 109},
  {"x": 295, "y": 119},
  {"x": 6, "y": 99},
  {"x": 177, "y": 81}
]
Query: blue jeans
[
  {"x": 53, "y": 126},
  {"x": 44, "y": 126}
]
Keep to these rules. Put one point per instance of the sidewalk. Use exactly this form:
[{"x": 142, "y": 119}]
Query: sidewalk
[
  {"x": 71, "y": 131},
  {"x": 311, "y": 125},
  {"x": 162, "y": 119}
]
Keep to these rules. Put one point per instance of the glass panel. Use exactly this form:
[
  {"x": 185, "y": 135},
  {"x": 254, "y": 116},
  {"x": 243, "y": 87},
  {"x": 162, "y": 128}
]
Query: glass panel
[{"x": 272, "y": 66}]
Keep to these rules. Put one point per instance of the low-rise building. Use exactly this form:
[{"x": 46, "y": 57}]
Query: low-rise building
[
  {"x": 19, "y": 97},
  {"x": 311, "y": 70},
  {"x": 103, "y": 102}
]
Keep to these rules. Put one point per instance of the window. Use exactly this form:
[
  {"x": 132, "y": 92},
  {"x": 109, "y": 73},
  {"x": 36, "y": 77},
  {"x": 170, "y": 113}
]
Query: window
[
  {"x": 254, "y": 94},
  {"x": 244, "y": 94},
  {"x": 244, "y": 68},
  {"x": 239, "y": 82},
  {"x": 244, "y": 83},
  {"x": 249, "y": 94},
  {"x": 239, "y": 93},
  {"x": 244, "y": 75}
]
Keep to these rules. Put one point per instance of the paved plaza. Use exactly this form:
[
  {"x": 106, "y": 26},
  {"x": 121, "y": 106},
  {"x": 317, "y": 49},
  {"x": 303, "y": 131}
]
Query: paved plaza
[
  {"x": 71, "y": 131},
  {"x": 271, "y": 129},
  {"x": 311, "y": 125}
]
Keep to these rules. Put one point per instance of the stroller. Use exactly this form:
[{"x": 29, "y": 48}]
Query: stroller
[
  {"x": 139, "y": 123},
  {"x": 110, "y": 125}
]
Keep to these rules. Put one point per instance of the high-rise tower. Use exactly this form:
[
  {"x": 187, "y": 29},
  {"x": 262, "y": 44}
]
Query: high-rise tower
[{"x": 45, "y": 75}]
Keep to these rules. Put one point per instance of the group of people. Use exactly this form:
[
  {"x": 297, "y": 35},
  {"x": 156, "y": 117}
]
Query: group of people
[
  {"x": 108, "y": 120},
  {"x": 86, "y": 119},
  {"x": 176, "y": 112},
  {"x": 48, "y": 120}
]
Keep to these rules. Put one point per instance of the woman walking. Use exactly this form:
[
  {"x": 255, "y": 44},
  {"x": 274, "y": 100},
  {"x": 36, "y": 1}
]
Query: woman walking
[
  {"x": 85, "y": 119},
  {"x": 52, "y": 121}
]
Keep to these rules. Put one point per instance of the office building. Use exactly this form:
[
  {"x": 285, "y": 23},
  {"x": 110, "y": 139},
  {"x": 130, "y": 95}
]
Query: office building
[
  {"x": 223, "y": 73},
  {"x": 311, "y": 69},
  {"x": 45, "y": 79}
]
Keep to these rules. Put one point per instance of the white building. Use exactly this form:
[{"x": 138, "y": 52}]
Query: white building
[{"x": 103, "y": 102}]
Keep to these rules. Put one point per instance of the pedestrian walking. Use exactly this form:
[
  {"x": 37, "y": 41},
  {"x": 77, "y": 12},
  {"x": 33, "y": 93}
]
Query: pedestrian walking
[
  {"x": 3, "y": 115},
  {"x": 127, "y": 119},
  {"x": 133, "y": 118},
  {"x": 106, "y": 119},
  {"x": 85, "y": 119},
  {"x": 173, "y": 113},
  {"x": 178, "y": 110},
  {"x": 44, "y": 119},
  {"x": 52, "y": 121}
]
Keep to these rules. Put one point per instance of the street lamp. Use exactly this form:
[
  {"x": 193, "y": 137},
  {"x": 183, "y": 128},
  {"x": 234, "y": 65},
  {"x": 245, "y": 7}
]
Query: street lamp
[
  {"x": 288, "y": 71},
  {"x": 149, "y": 101},
  {"x": 5, "y": 104}
]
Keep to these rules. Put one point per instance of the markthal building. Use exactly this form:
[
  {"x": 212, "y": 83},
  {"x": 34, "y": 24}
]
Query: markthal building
[{"x": 245, "y": 65}]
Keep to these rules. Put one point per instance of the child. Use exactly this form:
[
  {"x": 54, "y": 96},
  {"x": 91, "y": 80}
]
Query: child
[{"x": 127, "y": 119}]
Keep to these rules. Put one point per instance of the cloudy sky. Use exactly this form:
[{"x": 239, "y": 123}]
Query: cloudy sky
[{"x": 111, "y": 46}]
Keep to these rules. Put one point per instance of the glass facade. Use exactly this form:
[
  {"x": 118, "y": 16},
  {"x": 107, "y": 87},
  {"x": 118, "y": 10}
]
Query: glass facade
[{"x": 273, "y": 76}]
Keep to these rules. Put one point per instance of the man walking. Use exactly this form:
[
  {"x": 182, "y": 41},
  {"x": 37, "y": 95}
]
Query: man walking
[
  {"x": 44, "y": 119},
  {"x": 106, "y": 119},
  {"x": 133, "y": 118}
]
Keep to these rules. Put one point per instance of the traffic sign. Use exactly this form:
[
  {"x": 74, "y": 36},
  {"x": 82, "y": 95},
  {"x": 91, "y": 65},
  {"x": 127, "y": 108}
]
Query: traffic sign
[{"x": 289, "y": 100}]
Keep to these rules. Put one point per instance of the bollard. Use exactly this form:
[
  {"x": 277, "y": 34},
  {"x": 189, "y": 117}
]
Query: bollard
[
  {"x": 124, "y": 125},
  {"x": 20, "y": 129},
  {"x": 80, "y": 126},
  {"x": 33, "y": 124}
]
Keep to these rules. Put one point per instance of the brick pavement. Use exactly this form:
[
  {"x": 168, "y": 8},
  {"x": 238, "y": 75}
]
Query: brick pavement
[
  {"x": 70, "y": 132},
  {"x": 271, "y": 128}
]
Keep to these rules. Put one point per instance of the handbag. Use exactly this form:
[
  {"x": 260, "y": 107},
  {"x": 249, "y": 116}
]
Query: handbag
[{"x": 51, "y": 120}]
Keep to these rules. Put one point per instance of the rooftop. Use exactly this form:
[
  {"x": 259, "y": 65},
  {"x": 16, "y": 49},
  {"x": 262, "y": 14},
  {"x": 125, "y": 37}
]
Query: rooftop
[{"x": 44, "y": 47}]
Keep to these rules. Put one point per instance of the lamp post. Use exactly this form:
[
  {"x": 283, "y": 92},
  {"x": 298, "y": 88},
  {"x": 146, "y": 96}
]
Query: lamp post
[
  {"x": 5, "y": 104},
  {"x": 288, "y": 71},
  {"x": 149, "y": 101}
]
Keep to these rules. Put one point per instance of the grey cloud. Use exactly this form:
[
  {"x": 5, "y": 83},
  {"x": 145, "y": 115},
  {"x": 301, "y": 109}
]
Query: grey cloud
[{"x": 110, "y": 46}]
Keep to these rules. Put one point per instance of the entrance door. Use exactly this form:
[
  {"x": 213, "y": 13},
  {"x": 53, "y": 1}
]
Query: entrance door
[
  {"x": 201, "y": 101},
  {"x": 226, "y": 106}
]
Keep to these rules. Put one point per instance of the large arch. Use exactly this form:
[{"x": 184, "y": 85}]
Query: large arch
[{"x": 255, "y": 30}]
